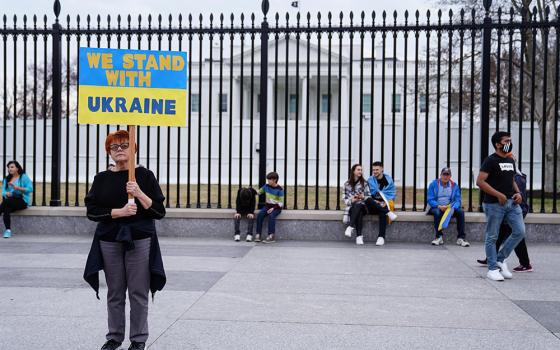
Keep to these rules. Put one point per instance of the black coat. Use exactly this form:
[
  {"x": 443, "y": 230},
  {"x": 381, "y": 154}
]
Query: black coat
[
  {"x": 246, "y": 208},
  {"x": 108, "y": 192},
  {"x": 94, "y": 262}
]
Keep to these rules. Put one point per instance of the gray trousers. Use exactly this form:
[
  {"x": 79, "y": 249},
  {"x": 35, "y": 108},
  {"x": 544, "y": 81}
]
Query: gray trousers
[
  {"x": 237, "y": 225},
  {"x": 127, "y": 270}
]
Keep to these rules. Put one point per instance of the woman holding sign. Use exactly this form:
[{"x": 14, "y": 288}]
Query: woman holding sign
[{"x": 125, "y": 244}]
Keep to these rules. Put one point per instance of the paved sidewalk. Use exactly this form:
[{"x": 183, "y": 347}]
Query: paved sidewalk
[{"x": 289, "y": 295}]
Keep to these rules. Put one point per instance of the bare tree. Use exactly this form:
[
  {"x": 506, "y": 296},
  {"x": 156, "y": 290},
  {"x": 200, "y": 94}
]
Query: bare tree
[
  {"x": 43, "y": 101},
  {"x": 521, "y": 57}
]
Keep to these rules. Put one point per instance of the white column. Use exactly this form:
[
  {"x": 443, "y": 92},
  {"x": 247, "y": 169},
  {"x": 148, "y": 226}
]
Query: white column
[
  {"x": 303, "y": 95},
  {"x": 235, "y": 97},
  {"x": 270, "y": 99},
  {"x": 344, "y": 91}
]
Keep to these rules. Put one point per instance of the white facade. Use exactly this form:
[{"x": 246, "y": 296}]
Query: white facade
[{"x": 308, "y": 141}]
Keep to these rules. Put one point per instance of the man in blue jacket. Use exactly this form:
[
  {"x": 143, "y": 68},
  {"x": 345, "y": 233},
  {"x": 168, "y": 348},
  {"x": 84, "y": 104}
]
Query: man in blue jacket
[
  {"x": 444, "y": 192},
  {"x": 383, "y": 192}
]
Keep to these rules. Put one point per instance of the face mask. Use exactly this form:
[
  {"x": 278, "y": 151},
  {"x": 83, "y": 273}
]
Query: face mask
[{"x": 507, "y": 147}]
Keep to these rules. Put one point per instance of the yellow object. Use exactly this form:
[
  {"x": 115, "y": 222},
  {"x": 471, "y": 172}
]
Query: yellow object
[
  {"x": 132, "y": 106},
  {"x": 445, "y": 218}
]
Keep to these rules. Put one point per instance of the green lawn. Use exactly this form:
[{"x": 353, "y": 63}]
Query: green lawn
[{"x": 200, "y": 195}]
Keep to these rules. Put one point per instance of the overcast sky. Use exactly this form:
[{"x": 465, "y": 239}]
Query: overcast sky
[{"x": 166, "y": 7}]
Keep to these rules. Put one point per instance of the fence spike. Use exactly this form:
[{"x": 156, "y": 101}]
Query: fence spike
[
  {"x": 487, "y": 4},
  {"x": 265, "y": 7},
  {"x": 56, "y": 9}
]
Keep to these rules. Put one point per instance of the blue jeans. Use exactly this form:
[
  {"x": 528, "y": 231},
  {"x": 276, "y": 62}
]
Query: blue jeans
[
  {"x": 511, "y": 214},
  {"x": 457, "y": 214},
  {"x": 271, "y": 221}
]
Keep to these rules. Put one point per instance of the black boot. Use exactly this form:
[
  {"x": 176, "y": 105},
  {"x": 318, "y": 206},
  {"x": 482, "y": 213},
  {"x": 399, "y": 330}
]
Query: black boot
[
  {"x": 111, "y": 345},
  {"x": 482, "y": 261}
]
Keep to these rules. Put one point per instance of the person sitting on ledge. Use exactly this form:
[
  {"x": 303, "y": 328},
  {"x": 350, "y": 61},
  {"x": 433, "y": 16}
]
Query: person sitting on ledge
[
  {"x": 444, "y": 193},
  {"x": 245, "y": 206},
  {"x": 383, "y": 193},
  {"x": 16, "y": 190},
  {"x": 356, "y": 192}
]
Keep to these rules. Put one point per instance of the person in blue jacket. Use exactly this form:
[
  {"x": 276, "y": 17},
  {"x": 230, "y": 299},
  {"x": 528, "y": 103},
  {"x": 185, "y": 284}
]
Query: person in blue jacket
[
  {"x": 16, "y": 190},
  {"x": 381, "y": 183},
  {"x": 444, "y": 192}
]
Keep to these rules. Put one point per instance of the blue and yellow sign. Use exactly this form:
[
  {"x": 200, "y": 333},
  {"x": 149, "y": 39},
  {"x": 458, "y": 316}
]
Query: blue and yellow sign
[{"x": 132, "y": 87}]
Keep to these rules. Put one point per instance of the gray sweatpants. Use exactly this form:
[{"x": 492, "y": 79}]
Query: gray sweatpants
[{"x": 127, "y": 270}]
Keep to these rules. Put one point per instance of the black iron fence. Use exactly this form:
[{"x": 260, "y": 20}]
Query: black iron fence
[{"x": 305, "y": 96}]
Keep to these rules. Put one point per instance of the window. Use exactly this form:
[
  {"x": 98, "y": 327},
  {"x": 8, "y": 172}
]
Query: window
[
  {"x": 293, "y": 106},
  {"x": 366, "y": 103},
  {"x": 396, "y": 103},
  {"x": 324, "y": 103},
  {"x": 422, "y": 103},
  {"x": 223, "y": 102},
  {"x": 195, "y": 103}
]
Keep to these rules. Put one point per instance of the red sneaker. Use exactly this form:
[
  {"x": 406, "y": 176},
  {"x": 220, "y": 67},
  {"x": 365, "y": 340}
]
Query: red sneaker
[{"x": 522, "y": 268}]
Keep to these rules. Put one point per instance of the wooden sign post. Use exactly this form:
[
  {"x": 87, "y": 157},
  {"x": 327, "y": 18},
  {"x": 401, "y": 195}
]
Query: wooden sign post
[{"x": 131, "y": 158}]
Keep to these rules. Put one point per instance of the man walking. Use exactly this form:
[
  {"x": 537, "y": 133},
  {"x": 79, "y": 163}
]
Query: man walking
[{"x": 501, "y": 203}]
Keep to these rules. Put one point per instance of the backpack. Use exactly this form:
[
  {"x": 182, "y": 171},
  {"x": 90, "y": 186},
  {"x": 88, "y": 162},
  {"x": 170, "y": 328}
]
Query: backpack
[{"x": 521, "y": 181}]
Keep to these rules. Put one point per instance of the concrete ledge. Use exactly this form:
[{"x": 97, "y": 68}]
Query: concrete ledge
[
  {"x": 299, "y": 215},
  {"x": 292, "y": 225}
]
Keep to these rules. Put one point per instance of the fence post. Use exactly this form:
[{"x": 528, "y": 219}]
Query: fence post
[
  {"x": 485, "y": 86},
  {"x": 263, "y": 100},
  {"x": 56, "y": 108}
]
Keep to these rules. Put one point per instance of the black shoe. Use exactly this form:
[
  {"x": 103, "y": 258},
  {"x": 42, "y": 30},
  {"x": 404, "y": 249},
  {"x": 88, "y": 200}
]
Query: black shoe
[
  {"x": 137, "y": 346},
  {"x": 111, "y": 345},
  {"x": 482, "y": 261}
]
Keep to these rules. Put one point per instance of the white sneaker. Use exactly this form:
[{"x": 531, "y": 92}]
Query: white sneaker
[
  {"x": 495, "y": 275},
  {"x": 504, "y": 270},
  {"x": 359, "y": 240},
  {"x": 438, "y": 241},
  {"x": 236, "y": 238},
  {"x": 461, "y": 242},
  {"x": 249, "y": 238},
  {"x": 380, "y": 241},
  {"x": 392, "y": 216},
  {"x": 348, "y": 232}
]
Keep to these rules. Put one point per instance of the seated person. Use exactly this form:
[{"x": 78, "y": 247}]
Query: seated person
[
  {"x": 383, "y": 193},
  {"x": 245, "y": 206},
  {"x": 16, "y": 190},
  {"x": 274, "y": 195},
  {"x": 444, "y": 193}
]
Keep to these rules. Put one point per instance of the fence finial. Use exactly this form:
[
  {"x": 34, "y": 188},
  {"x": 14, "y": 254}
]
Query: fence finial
[
  {"x": 56, "y": 9},
  {"x": 487, "y": 4},
  {"x": 265, "y": 5}
]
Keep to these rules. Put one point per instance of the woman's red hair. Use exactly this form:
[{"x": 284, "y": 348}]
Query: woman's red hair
[{"x": 118, "y": 136}]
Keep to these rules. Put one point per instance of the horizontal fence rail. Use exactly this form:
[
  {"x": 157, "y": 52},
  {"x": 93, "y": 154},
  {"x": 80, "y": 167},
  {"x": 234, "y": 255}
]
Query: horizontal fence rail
[{"x": 306, "y": 96}]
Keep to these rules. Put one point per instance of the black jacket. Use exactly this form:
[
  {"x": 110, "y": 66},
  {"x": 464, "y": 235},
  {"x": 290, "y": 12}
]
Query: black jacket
[
  {"x": 108, "y": 192},
  {"x": 521, "y": 181},
  {"x": 94, "y": 262},
  {"x": 248, "y": 208}
]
